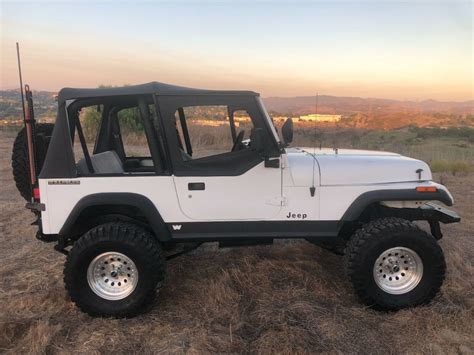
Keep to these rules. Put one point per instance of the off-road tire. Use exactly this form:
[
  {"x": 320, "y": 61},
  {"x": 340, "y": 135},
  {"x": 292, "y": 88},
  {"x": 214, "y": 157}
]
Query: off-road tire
[
  {"x": 131, "y": 240},
  {"x": 372, "y": 240},
  {"x": 20, "y": 166}
]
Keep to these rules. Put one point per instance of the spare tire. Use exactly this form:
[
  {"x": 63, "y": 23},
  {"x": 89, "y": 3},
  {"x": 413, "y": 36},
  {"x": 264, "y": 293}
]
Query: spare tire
[{"x": 20, "y": 166}]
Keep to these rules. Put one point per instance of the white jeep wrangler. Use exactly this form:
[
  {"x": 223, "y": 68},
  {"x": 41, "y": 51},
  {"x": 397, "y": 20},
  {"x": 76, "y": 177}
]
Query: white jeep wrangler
[{"x": 116, "y": 215}]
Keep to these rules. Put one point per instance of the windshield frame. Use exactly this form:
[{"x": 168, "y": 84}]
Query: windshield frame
[{"x": 269, "y": 120}]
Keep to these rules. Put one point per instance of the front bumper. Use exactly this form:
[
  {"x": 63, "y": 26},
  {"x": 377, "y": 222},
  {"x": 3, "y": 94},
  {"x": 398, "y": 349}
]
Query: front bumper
[
  {"x": 434, "y": 214},
  {"x": 433, "y": 211},
  {"x": 430, "y": 212}
]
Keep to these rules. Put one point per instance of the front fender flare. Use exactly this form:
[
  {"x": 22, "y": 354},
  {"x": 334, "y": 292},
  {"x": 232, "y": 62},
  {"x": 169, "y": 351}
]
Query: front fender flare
[{"x": 367, "y": 198}]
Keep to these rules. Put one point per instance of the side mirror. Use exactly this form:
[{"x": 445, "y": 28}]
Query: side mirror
[
  {"x": 256, "y": 140},
  {"x": 287, "y": 131}
]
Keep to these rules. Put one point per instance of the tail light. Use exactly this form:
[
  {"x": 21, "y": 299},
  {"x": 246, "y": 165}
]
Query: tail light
[{"x": 36, "y": 193}]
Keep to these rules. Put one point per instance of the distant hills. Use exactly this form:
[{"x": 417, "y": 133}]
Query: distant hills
[
  {"x": 370, "y": 113},
  {"x": 348, "y": 105},
  {"x": 373, "y": 113},
  {"x": 10, "y": 104}
]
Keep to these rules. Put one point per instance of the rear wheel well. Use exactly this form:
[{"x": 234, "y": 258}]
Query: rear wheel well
[
  {"x": 130, "y": 207},
  {"x": 92, "y": 216},
  {"x": 95, "y": 215}
]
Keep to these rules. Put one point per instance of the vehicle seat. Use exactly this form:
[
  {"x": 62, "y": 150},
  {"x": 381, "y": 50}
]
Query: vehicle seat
[
  {"x": 146, "y": 163},
  {"x": 103, "y": 163}
]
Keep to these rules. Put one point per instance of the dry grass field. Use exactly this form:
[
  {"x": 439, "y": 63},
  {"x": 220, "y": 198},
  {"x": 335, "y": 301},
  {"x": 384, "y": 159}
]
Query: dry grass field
[{"x": 291, "y": 297}]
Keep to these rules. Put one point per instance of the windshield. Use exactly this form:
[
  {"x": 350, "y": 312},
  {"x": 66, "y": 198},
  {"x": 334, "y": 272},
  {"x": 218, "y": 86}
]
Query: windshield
[{"x": 269, "y": 120}]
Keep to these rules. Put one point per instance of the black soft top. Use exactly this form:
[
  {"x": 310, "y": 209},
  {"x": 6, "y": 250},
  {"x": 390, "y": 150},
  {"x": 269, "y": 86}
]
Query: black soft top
[
  {"x": 60, "y": 160},
  {"x": 149, "y": 88}
]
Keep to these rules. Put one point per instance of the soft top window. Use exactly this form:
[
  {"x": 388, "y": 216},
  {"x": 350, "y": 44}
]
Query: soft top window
[
  {"x": 116, "y": 136},
  {"x": 208, "y": 129},
  {"x": 212, "y": 134}
]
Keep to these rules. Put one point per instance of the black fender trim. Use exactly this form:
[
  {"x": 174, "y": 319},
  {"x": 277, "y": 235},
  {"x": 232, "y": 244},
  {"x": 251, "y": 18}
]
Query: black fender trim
[
  {"x": 370, "y": 197},
  {"x": 138, "y": 201}
]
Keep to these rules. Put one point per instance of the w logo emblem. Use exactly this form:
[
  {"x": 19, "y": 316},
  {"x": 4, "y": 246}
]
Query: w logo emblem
[{"x": 176, "y": 227}]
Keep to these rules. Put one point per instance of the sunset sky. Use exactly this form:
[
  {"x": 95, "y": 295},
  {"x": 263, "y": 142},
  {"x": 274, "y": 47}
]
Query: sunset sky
[{"x": 392, "y": 49}]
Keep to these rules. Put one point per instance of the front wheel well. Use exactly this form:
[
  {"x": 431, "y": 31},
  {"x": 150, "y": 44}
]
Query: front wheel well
[
  {"x": 371, "y": 212},
  {"x": 377, "y": 210}
]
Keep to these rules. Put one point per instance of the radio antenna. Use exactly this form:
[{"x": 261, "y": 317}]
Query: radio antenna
[
  {"x": 315, "y": 123},
  {"x": 312, "y": 189},
  {"x": 21, "y": 80}
]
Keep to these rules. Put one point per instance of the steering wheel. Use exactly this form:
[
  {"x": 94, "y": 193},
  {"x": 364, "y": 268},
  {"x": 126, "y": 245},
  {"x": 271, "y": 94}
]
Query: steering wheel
[{"x": 238, "y": 141}]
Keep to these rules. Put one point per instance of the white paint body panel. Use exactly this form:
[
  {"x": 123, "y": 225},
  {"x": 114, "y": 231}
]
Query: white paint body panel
[
  {"x": 335, "y": 200},
  {"x": 301, "y": 166},
  {"x": 61, "y": 199},
  {"x": 259, "y": 194},
  {"x": 362, "y": 167},
  {"x": 254, "y": 195}
]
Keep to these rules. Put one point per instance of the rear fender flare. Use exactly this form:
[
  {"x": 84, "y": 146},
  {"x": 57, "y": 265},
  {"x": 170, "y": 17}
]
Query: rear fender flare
[{"x": 140, "y": 202}]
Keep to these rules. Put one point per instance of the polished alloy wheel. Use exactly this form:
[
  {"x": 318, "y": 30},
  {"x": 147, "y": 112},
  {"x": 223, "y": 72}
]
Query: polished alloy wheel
[
  {"x": 112, "y": 276},
  {"x": 398, "y": 270}
]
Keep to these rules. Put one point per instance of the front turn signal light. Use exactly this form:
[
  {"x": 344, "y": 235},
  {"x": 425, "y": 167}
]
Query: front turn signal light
[{"x": 427, "y": 189}]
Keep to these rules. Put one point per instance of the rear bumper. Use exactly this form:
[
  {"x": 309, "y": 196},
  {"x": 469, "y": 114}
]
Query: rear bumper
[{"x": 35, "y": 206}]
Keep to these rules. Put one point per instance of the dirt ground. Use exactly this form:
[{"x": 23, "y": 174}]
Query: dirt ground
[{"x": 291, "y": 297}]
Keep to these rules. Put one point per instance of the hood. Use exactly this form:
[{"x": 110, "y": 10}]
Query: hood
[{"x": 355, "y": 167}]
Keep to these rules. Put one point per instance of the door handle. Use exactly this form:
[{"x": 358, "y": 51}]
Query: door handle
[{"x": 196, "y": 186}]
